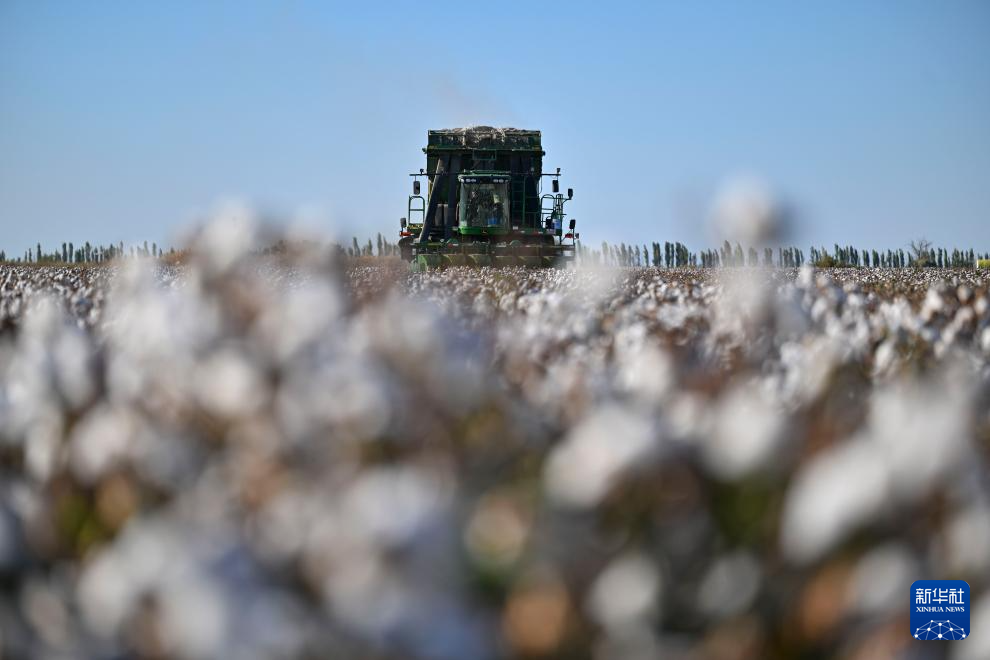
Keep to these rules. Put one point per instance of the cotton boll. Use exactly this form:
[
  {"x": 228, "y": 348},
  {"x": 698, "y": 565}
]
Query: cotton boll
[
  {"x": 101, "y": 440},
  {"x": 646, "y": 372},
  {"x": 227, "y": 384},
  {"x": 745, "y": 210},
  {"x": 106, "y": 594},
  {"x": 194, "y": 618},
  {"x": 748, "y": 430},
  {"x": 837, "y": 492},
  {"x": 881, "y": 578},
  {"x": 885, "y": 358},
  {"x": 305, "y": 315},
  {"x": 231, "y": 233},
  {"x": 965, "y": 546},
  {"x": 393, "y": 505},
  {"x": 921, "y": 431},
  {"x": 611, "y": 441},
  {"x": 626, "y": 593}
]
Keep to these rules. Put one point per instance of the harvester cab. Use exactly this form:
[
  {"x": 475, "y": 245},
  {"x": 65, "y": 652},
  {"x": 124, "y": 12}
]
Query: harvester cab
[{"x": 484, "y": 204}]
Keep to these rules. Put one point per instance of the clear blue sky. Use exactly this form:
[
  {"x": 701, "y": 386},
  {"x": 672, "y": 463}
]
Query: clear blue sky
[{"x": 121, "y": 121}]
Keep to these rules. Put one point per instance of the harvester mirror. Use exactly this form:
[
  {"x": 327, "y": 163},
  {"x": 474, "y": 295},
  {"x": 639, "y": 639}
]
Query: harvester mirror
[
  {"x": 402, "y": 222},
  {"x": 415, "y": 186},
  {"x": 570, "y": 193},
  {"x": 573, "y": 222},
  {"x": 556, "y": 186}
]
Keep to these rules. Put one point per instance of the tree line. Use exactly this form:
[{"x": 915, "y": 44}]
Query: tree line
[
  {"x": 86, "y": 253},
  {"x": 921, "y": 254}
]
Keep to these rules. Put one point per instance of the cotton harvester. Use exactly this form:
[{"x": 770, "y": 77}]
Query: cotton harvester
[{"x": 484, "y": 204}]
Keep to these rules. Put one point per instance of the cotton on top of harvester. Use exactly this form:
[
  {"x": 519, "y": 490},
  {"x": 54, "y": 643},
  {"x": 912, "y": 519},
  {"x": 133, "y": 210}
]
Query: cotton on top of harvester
[{"x": 484, "y": 204}]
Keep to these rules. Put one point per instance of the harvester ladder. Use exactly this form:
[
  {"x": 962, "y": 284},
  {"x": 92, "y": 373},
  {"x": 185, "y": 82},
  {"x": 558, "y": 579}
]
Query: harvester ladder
[
  {"x": 555, "y": 211},
  {"x": 420, "y": 209}
]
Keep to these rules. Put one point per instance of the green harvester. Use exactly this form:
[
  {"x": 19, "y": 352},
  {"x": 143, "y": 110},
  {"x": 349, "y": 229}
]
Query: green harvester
[{"x": 484, "y": 204}]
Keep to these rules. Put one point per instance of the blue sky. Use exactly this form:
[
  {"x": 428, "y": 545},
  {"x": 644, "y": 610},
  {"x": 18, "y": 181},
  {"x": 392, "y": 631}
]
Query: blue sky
[{"x": 123, "y": 121}]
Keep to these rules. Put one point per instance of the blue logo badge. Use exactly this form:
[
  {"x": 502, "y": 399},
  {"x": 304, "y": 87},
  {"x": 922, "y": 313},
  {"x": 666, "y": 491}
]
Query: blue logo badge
[{"x": 940, "y": 610}]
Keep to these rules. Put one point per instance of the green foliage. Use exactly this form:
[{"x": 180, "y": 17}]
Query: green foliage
[{"x": 827, "y": 261}]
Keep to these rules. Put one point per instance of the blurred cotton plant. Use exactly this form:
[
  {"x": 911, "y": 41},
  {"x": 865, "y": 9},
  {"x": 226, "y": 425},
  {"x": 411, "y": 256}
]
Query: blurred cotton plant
[{"x": 282, "y": 455}]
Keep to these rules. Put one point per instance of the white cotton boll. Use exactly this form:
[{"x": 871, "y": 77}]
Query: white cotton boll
[
  {"x": 933, "y": 304},
  {"x": 966, "y": 542},
  {"x": 106, "y": 594},
  {"x": 729, "y": 585},
  {"x": 745, "y": 210},
  {"x": 352, "y": 397},
  {"x": 72, "y": 358},
  {"x": 100, "y": 441},
  {"x": 646, "y": 371},
  {"x": 965, "y": 316},
  {"x": 985, "y": 340},
  {"x": 838, "y": 491},
  {"x": 229, "y": 235},
  {"x": 749, "y": 429},
  {"x": 393, "y": 505},
  {"x": 688, "y": 416},
  {"x": 367, "y": 596},
  {"x": 881, "y": 579},
  {"x": 820, "y": 309},
  {"x": 808, "y": 367},
  {"x": 921, "y": 431},
  {"x": 626, "y": 593},
  {"x": 45, "y": 607},
  {"x": 194, "y": 618},
  {"x": 741, "y": 308},
  {"x": 885, "y": 358},
  {"x": 228, "y": 384},
  {"x": 42, "y": 448},
  {"x": 303, "y": 315},
  {"x": 582, "y": 469}
]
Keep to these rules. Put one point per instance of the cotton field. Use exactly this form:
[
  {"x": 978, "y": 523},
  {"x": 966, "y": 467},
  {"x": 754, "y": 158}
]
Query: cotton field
[{"x": 294, "y": 456}]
